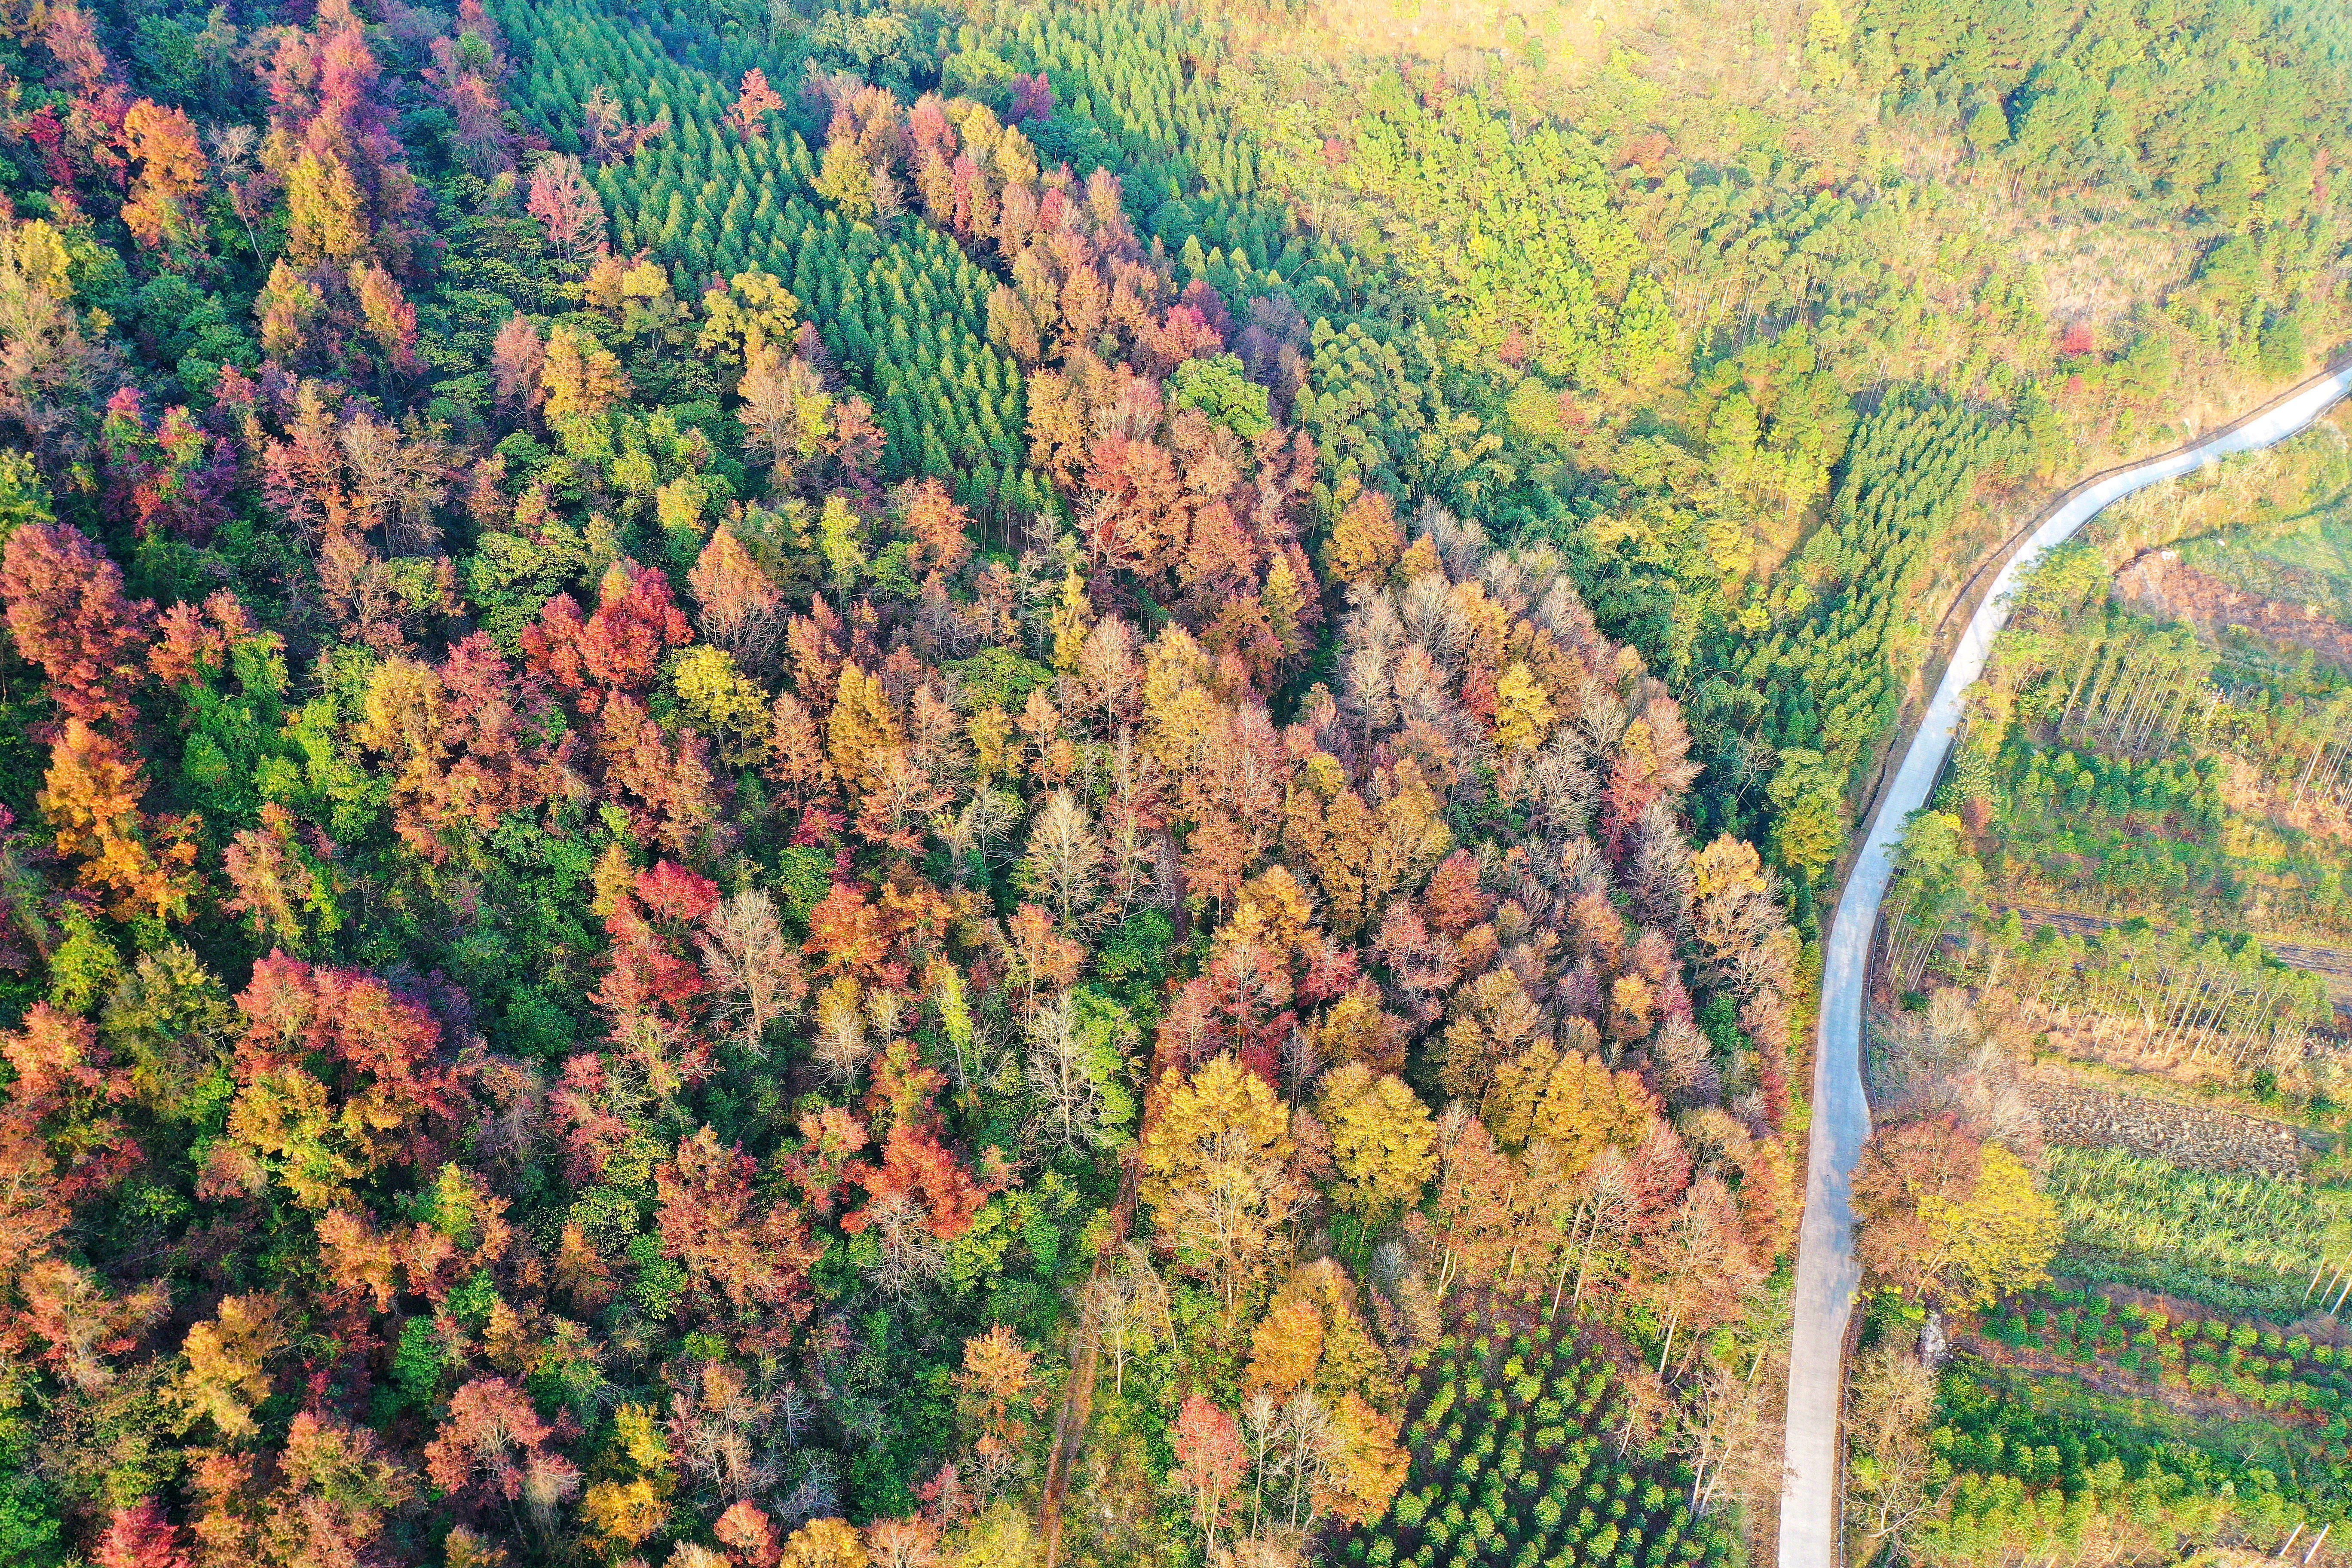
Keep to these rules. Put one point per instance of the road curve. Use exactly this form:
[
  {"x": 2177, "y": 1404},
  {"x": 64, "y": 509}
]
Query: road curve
[{"x": 1827, "y": 1274}]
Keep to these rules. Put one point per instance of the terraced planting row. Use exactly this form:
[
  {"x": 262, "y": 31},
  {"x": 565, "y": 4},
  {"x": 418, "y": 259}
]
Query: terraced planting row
[
  {"x": 2260, "y": 1363},
  {"x": 2245, "y": 1243}
]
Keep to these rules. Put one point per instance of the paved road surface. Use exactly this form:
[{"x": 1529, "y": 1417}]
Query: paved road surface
[{"x": 1827, "y": 1274}]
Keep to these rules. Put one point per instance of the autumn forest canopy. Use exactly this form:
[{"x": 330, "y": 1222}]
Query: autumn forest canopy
[{"x": 997, "y": 784}]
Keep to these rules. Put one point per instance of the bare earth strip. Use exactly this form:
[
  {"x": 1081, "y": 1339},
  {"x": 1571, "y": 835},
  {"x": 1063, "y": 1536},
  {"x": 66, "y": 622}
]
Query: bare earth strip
[
  {"x": 1827, "y": 1275},
  {"x": 2194, "y": 1137}
]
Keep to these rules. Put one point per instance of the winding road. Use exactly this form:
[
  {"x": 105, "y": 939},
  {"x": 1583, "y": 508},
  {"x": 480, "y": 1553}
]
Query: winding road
[{"x": 1827, "y": 1274}]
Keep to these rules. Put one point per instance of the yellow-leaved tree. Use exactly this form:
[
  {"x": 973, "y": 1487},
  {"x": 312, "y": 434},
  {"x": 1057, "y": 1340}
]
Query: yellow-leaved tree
[
  {"x": 824, "y": 1543},
  {"x": 1366, "y": 542},
  {"x": 626, "y": 1510},
  {"x": 228, "y": 1357},
  {"x": 582, "y": 376},
  {"x": 2002, "y": 1237},
  {"x": 1949, "y": 1218},
  {"x": 1216, "y": 1171},
  {"x": 728, "y": 705},
  {"x": 1383, "y": 1140},
  {"x": 1524, "y": 714},
  {"x": 1366, "y": 1464},
  {"x": 1313, "y": 1336},
  {"x": 998, "y": 1393},
  {"x": 1571, "y": 1100},
  {"x": 1312, "y": 1359}
]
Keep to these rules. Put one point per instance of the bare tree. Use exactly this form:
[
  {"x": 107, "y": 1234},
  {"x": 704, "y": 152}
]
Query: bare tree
[
  {"x": 1065, "y": 854},
  {"x": 397, "y": 483},
  {"x": 1228, "y": 1216},
  {"x": 1308, "y": 1448},
  {"x": 1890, "y": 1485},
  {"x": 753, "y": 969},
  {"x": 1124, "y": 1307},
  {"x": 1604, "y": 1220},
  {"x": 1112, "y": 673},
  {"x": 722, "y": 1431},
  {"x": 1561, "y": 789},
  {"x": 1064, "y": 1071},
  {"x": 987, "y": 821},
  {"x": 1724, "y": 1430},
  {"x": 1944, "y": 1059},
  {"x": 842, "y": 1047},
  {"x": 1661, "y": 872},
  {"x": 911, "y": 1255},
  {"x": 1262, "y": 1424}
]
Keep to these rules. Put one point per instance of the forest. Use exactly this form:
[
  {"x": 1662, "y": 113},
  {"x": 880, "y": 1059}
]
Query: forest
[{"x": 985, "y": 785}]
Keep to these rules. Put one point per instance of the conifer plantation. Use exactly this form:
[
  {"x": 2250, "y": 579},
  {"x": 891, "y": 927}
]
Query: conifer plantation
[{"x": 1006, "y": 785}]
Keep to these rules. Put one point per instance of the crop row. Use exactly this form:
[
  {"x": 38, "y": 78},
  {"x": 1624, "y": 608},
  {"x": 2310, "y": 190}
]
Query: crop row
[{"x": 2232, "y": 1224}]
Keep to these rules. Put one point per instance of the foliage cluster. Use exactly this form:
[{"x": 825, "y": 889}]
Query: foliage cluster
[{"x": 688, "y": 718}]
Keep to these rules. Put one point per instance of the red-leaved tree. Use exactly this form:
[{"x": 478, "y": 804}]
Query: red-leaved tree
[
  {"x": 66, "y": 611},
  {"x": 1210, "y": 1461}
]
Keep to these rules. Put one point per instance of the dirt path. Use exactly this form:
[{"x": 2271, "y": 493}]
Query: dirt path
[
  {"x": 1069, "y": 1430},
  {"x": 1079, "y": 1399}
]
